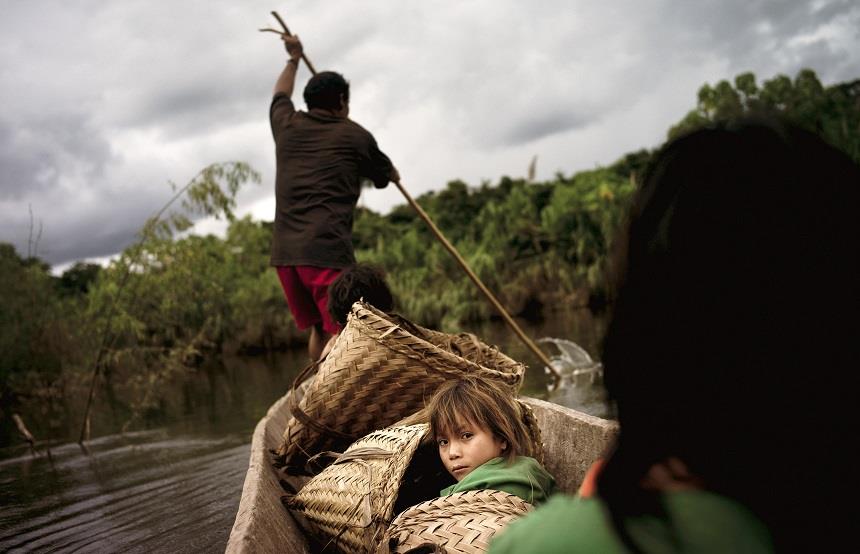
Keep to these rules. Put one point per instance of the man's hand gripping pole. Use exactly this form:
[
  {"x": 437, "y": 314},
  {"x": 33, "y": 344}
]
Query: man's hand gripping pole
[{"x": 286, "y": 31}]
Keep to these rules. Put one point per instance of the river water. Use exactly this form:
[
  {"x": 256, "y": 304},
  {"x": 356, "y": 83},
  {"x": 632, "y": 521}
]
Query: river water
[{"x": 176, "y": 488}]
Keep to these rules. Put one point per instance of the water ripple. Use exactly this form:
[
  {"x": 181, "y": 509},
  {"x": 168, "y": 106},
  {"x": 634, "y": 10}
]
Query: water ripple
[{"x": 132, "y": 494}]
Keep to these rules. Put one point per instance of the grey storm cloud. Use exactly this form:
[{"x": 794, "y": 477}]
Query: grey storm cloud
[
  {"x": 748, "y": 32},
  {"x": 89, "y": 222},
  {"x": 19, "y": 166},
  {"x": 36, "y": 153},
  {"x": 121, "y": 97},
  {"x": 99, "y": 242},
  {"x": 183, "y": 112},
  {"x": 543, "y": 124}
]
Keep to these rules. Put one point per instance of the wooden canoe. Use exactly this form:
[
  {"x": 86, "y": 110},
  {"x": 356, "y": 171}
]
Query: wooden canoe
[{"x": 572, "y": 441}]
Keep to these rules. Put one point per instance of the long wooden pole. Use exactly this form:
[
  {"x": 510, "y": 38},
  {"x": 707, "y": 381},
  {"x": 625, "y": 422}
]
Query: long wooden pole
[
  {"x": 457, "y": 257},
  {"x": 477, "y": 280}
]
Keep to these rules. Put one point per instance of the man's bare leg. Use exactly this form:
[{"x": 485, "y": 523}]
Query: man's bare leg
[{"x": 317, "y": 341}]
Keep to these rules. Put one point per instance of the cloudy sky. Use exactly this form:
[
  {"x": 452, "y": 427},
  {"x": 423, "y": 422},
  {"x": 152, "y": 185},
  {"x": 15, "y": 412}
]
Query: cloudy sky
[{"x": 105, "y": 102}]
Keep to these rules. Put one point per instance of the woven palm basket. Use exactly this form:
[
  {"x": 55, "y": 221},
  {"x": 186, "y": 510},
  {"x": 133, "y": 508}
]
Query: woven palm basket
[
  {"x": 381, "y": 369},
  {"x": 349, "y": 504},
  {"x": 462, "y": 522}
]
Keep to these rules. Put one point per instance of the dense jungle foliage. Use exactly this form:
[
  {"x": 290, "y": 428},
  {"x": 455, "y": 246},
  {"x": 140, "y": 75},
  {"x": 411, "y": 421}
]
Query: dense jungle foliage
[{"x": 171, "y": 299}]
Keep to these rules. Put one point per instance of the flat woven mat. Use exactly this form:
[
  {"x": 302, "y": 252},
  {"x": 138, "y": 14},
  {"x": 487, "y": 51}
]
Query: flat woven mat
[{"x": 462, "y": 522}]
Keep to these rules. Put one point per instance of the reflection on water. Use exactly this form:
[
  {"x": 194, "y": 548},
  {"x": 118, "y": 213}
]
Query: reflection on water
[
  {"x": 173, "y": 489},
  {"x": 177, "y": 488},
  {"x": 134, "y": 493}
]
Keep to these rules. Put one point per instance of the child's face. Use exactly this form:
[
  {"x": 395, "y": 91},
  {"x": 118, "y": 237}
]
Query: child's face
[{"x": 467, "y": 446}]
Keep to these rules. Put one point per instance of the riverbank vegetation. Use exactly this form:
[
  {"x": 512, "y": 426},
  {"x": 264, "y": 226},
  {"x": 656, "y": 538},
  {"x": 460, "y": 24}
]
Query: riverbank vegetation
[{"x": 170, "y": 300}]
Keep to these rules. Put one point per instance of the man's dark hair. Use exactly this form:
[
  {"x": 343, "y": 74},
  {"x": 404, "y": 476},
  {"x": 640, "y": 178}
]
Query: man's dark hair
[
  {"x": 354, "y": 283},
  {"x": 325, "y": 89}
]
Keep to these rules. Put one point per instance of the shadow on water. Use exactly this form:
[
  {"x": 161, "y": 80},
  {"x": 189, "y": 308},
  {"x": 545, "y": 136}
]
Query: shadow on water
[{"x": 176, "y": 488}]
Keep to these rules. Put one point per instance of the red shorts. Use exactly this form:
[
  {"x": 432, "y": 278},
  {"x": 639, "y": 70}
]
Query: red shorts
[{"x": 306, "y": 288}]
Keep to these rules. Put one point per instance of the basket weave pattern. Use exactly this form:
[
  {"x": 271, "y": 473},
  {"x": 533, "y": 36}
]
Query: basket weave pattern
[
  {"x": 533, "y": 430},
  {"x": 462, "y": 522},
  {"x": 380, "y": 370},
  {"x": 350, "y": 502}
]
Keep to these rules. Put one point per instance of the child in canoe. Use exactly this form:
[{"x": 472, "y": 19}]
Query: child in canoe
[
  {"x": 483, "y": 443},
  {"x": 357, "y": 282}
]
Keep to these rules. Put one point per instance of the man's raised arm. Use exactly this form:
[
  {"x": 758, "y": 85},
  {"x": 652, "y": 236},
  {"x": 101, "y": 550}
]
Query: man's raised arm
[{"x": 287, "y": 79}]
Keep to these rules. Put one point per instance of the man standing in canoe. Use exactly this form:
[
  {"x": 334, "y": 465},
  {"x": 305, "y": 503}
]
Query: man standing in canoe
[{"x": 322, "y": 159}]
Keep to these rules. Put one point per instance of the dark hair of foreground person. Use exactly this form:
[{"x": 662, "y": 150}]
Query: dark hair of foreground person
[
  {"x": 733, "y": 342},
  {"x": 731, "y": 356}
]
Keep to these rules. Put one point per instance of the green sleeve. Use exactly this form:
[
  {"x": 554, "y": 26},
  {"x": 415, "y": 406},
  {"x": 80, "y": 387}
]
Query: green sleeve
[
  {"x": 701, "y": 522},
  {"x": 564, "y": 524}
]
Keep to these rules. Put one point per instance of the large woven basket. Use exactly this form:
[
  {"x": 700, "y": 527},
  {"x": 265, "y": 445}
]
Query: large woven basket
[
  {"x": 462, "y": 522},
  {"x": 381, "y": 369}
]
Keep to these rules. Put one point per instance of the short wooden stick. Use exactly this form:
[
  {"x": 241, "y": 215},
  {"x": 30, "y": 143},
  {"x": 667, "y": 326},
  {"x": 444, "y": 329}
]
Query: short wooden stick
[{"x": 287, "y": 32}]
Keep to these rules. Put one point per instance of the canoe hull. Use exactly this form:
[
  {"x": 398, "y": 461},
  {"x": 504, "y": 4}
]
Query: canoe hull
[{"x": 572, "y": 441}]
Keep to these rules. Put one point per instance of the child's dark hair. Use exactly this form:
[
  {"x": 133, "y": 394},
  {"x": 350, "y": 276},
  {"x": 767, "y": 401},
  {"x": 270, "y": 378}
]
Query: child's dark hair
[
  {"x": 483, "y": 403},
  {"x": 354, "y": 283},
  {"x": 325, "y": 89}
]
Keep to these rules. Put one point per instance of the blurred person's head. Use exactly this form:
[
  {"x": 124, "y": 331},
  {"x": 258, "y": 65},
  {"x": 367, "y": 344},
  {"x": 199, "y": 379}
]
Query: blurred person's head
[{"x": 733, "y": 332}]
